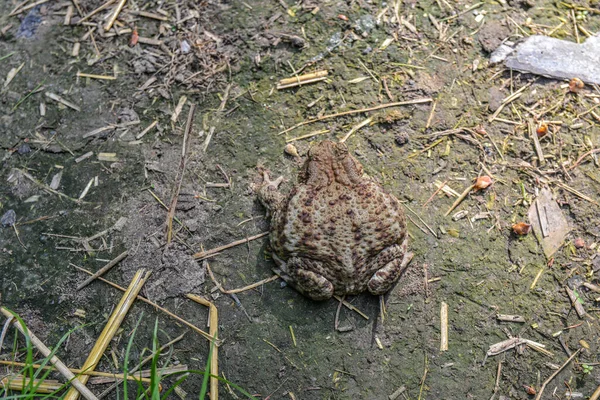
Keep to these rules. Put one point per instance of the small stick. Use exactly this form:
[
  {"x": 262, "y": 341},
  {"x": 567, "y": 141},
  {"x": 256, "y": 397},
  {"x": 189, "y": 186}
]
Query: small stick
[
  {"x": 351, "y": 307},
  {"x": 111, "y": 327},
  {"x": 145, "y": 300},
  {"x": 547, "y": 381},
  {"x": 362, "y": 110},
  {"x": 29, "y": 7},
  {"x": 180, "y": 171},
  {"x": 239, "y": 290},
  {"x": 60, "y": 367},
  {"x": 204, "y": 254},
  {"x": 510, "y": 318},
  {"x": 59, "y": 99},
  {"x": 97, "y": 10},
  {"x": 178, "y": 108},
  {"x": 459, "y": 200},
  {"x": 536, "y": 142},
  {"x": 436, "y": 192},
  {"x": 497, "y": 385},
  {"x": 213, "y": 330},
  {"x": 355, "y": 128},
  {"x": 444, "y": 327},
  {"x": 115, "y": 15},
  {"x": 103, "y": 270},
  {"x": 93, "y": 76},
  {"x": 142, "y": 133},
  {"x": 580, "y": 159}
]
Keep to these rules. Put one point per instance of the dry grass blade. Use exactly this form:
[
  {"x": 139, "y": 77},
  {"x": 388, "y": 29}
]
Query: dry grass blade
[{"x": 205, "y": 254}]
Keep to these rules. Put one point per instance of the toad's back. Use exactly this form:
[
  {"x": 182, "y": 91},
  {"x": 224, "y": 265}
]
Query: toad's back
[{"x": 344, "y": 226}]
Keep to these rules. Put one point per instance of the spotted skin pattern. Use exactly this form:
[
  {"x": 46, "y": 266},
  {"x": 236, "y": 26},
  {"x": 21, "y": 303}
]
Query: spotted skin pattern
[{"x": 337, "y": 232}]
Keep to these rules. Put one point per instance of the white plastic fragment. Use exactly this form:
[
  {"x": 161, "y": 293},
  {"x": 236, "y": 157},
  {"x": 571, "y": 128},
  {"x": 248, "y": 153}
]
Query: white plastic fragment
[{"x": 557, "y": 58}]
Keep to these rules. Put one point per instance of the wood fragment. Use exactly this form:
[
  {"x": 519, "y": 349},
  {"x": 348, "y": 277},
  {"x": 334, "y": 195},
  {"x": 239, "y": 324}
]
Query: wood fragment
[
  {"x": 444, "y": 327},
  {"x": 150, "y": 41},
  {"x": 150, "y": 15},
  {"x": 509, "y": 318},
  {"x": 575, "y": 302},
  {"x": 397, "y": 393},
  {"x": 60, "y": 366},
  {"x": 536, "y": 141},
  {"x": 205, "y": 254}
]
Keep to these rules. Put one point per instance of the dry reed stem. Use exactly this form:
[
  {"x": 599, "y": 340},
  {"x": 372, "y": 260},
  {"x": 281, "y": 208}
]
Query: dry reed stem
[
  {"x": 213, "y": 330},
  {"x": 78, "y": 371},
  {"x": 145, "y": 300},
  {"x": 111, "y": 327},
  {"x": 60, "y": 366},
  {"x": 204, "y": 254}
]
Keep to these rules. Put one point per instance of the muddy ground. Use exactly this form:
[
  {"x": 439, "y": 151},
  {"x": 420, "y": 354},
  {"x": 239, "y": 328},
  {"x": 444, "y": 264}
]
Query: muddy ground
[{"x": 235, "y": 54}]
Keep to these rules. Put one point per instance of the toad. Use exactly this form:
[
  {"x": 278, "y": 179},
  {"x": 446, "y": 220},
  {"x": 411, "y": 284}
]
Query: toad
[{"x": 337, "y": 231}]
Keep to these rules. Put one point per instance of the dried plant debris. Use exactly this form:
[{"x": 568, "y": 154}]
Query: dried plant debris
[{"x": 548, "y": 221}]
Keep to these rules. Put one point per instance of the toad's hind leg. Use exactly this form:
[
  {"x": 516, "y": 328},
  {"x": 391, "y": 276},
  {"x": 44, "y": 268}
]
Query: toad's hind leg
[
  {"x": 393, "y": 260},
  {"x": 306, "y": 280}
]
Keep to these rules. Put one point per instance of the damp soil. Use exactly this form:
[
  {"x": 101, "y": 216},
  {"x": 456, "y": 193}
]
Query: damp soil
[{"x": 276, "y": 342}]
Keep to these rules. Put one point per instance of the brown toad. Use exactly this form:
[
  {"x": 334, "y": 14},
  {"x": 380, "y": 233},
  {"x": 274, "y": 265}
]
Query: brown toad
[{"x": 337, "y": 232}]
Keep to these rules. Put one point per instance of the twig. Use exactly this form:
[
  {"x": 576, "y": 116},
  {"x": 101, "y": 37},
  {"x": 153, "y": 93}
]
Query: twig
[
  {"x": 362, "y": 110},
  {"x": 547, "y": 381},
  {"x": 180, "y": 172},
  {"x": 60, "y": 367},
  {"x": 351, "y": 307},
  {"x": 580, "y": 159},
  {"x": 103, "y": 270},
  {"x": 145, "y": 300},
  {"x": 459, "y": 200},
  {"x": 204, "y": 254},
  {"x": 238, "y": 290}
]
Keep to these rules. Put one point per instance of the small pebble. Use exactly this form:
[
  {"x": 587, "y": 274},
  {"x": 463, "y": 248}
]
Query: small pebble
[
  {"x": 401, "y": 138},
  {"x": 24, "y": 149},
  {"x": 579, "y": 243},
  {"x": 9, "y": 218}
]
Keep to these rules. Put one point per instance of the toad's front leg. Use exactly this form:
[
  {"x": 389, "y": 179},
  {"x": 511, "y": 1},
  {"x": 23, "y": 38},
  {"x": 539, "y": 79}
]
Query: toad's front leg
[
  {"x": 391, "y": 262},
  {"x": 302, "y": 274}
]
